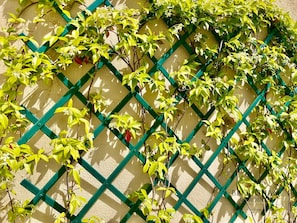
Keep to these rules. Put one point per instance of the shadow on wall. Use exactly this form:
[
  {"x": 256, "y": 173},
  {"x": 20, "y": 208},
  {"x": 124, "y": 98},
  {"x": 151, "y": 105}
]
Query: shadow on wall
[{"x": 6, "y": 7}]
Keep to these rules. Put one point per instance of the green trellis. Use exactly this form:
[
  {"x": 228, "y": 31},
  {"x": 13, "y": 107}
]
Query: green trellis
[{"x": 74, "y": 90}]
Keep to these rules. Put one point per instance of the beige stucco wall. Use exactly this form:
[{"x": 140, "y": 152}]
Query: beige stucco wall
[
  {"x": 111, "y": 209},
  {"x": 288, "y": 5}
]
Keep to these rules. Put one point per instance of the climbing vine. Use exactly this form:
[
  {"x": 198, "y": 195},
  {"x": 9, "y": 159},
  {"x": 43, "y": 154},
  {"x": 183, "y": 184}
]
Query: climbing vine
[{"x": 226, "y": 55}]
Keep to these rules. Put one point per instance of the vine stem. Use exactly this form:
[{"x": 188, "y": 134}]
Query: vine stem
[
  {"x": 252, "y": 213},
  {"x": 265, "y": 212},
  {"x": 89, "y": 91},
  {"x": 68, "y": 192},
  {"x": 126, "y": 60},
  {"x": 26, "y": 7},
  {"x": 289, "y": 193},
  {"x": 153, "y": 190},
  {"x": 10, "y": 201}
]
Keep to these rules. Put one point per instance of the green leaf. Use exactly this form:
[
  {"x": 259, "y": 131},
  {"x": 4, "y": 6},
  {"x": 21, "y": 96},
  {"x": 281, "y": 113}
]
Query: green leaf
[
  {"x": 153, "y": 168},
  {"x": 146, "y": 166},
  {"x": 153, "y": 218},
  {"x": 53, "y": 40},
  {"x": 162, "y": 158},
  {"x": 9, "y": 140},
  {"x": 76, "y": 176},
  {"x": 189, "y": 218},
  {"x": 168, "y": 190},
  {"x": 36, "y": 61},
  {"x": 3, "y": 121}
]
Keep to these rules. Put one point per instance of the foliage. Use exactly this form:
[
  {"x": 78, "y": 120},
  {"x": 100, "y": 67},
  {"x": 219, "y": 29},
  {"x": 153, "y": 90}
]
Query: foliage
[{"x": 225, "y": 55}]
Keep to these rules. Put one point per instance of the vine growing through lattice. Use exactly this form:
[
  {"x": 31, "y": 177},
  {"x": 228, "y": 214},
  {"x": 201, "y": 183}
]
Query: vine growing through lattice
[{"x": 223, "y": 55}]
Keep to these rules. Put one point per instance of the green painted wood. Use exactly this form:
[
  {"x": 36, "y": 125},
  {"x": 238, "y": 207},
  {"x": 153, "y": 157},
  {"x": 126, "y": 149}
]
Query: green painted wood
[{"x": 47, "y": 199}]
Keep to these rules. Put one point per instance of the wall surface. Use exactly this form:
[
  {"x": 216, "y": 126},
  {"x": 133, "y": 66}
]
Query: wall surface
[
  {"x": 289, "y": 5},
  {"x": 108, "y": 152}
]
